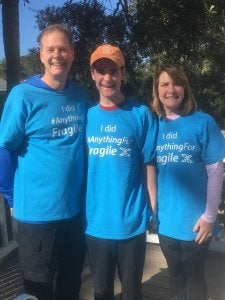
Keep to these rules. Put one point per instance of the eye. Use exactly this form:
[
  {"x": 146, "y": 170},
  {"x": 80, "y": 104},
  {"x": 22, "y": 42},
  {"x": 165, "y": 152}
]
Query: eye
[
  {"x": 49, "y": 50},
  {"x": 164, "y": 84},
  {"x": 63, "y": 50},
  {"x": 111, "y": 72},
  {"x": 100, "y": 71},
  {"x": 114, "y": 72}
]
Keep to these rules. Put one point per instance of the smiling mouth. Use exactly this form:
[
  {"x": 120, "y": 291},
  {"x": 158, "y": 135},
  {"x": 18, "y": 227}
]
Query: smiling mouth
[
  {"x": 107, "y": 86},
  {"x": 58, "y": 64},
  {"x": 173, "y": 98}
]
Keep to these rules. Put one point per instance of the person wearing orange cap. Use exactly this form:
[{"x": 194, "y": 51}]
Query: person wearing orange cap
[{"x": 121, "y": 136}]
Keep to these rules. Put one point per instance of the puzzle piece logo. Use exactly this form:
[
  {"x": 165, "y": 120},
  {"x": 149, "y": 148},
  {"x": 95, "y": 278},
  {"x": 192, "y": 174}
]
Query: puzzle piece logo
[
  {"x": 125, "y": 152},
  {"x": 187, "y": 158}
]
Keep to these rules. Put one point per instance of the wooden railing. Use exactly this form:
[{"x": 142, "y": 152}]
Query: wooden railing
[{"x": 7, "y": 230}]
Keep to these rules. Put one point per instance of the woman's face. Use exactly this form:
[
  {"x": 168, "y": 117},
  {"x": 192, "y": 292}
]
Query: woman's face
[{"x": 170, "y": 94}]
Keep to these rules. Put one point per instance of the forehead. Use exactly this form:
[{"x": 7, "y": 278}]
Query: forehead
[
  {"x": 54, "y": 38},
  {"x": 173, "y": 78},
  {"x": 165, "y": 77},
  {"x": 105, "y": 63}
]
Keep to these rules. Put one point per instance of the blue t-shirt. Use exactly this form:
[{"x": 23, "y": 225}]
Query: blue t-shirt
[
  {"x": 46, "y": 128},
  {"x": 120, "y": 142},
  {"x": 184, "y": 147}
]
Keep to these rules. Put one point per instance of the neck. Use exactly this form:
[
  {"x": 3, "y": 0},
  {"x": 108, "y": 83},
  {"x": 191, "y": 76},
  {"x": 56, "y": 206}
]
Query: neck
[
  {"x": 107, "y": 102},
  {"x": 172, "y": 116},
  {"x": 54, "y": 83}
]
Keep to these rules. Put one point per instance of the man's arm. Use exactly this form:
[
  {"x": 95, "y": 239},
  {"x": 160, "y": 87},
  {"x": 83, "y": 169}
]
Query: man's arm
[{"x": 8, "y": 161}]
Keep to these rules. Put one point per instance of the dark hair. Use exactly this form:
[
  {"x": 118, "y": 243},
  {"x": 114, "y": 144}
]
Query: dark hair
[
  {"x": 56, "y": 27},
  {"x": 178, "y": 76}
]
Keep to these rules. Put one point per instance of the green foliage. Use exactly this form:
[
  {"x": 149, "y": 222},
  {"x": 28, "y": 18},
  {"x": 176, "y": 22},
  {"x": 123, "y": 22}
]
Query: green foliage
[
  {"x": 189, "y": 33},
  {"x": 150, "y": 33},
  {"x": 30, "y": 64},
  {"x": 90, "y": 26}
]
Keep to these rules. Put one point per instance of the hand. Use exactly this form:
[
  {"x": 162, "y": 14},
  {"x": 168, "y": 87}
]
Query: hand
[
  {"x": 154, "y": 225},
  {"x": 8, "y": 195},
  {"x": 204, "y": 230}
]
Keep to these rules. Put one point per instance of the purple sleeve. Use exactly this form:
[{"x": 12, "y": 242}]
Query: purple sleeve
[
  {"x": 214, "y": 188},
  {"x": 8, "y": 161}
]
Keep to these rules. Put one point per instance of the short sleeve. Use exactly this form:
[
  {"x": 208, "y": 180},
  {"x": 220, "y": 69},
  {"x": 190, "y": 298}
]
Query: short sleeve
[
  {"x": 213, "y": 143},
  {"x": 149, "y": 141}
]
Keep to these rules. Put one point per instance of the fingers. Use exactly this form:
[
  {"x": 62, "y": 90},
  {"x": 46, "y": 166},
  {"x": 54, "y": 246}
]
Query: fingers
[
  {"x": 203, "y": 237},
  {"x": 196, "y": 227},
  {"x": 204, "y": 230}
]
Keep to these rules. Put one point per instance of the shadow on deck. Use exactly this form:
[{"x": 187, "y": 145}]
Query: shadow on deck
[{"x": 155, "y": 279}]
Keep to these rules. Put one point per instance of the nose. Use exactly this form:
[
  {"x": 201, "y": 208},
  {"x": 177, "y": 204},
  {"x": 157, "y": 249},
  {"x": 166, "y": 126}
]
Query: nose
[
  {"x": 107, "y": 76},
  {"x": 171, "y": 88},
  {"x": 56, "y": 53}
]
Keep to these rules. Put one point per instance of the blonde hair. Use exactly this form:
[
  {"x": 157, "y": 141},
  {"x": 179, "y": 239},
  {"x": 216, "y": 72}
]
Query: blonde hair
[
  {"x": 56, "y": 27},
  {"x": 178, "y": 76}
]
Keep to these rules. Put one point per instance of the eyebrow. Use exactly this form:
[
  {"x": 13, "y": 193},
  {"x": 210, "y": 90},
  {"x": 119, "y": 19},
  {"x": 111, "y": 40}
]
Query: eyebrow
[{"x": 106, "y": 70}]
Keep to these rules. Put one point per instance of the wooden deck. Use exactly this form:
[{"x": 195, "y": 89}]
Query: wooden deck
[{"x": 155, "y": 279}]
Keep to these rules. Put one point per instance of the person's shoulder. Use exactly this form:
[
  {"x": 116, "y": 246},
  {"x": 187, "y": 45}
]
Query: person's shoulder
[
  {"x": 132, "y": 101},
  {"x": 20, "y": 86},
  {"x": 93, "y": 111},
  {"x": 76, "y": 85},
  {"x": 28, "y": 85},
  {"x": 93, "y": 106},
  {"x": 35, "y": 80},
  {"x": 201, "y": 116},
  {"x": 79, "y": 93},
  {"x": 77, "y": 88},
  {"x": 139, "y": 107},
  {"x": 18, "y": 90},
  {"x": 136, "y": 104}
]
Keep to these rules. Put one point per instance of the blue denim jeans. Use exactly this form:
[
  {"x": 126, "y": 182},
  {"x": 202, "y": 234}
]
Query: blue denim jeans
[{"x": 186, "y": 264}]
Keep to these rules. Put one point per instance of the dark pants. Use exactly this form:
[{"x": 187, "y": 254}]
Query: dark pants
[
  {"x": 186, "y": 263},
  {"x": 51, "y": 258},
  {"x": 127, "y": 255}
]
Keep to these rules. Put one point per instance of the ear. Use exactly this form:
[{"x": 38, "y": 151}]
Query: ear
[
  {"x": 73, "y": 54},
  {"x": 124, "y": 72},
  {"x": 92, "y": 74},
  {"x": 40, "y": 55}
]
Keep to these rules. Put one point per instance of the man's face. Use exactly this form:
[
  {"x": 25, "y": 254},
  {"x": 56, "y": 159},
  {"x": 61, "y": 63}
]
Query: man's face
[
  {"x": 108, "y": 76},
  {"x": 57, "y": 55}
]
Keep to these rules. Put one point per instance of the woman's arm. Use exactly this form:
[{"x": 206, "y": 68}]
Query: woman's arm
[{"x": 204, "y": 225}]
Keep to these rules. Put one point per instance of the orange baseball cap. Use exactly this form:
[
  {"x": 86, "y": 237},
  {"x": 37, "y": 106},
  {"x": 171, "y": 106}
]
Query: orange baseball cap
[{"x": 110, "y": 52}]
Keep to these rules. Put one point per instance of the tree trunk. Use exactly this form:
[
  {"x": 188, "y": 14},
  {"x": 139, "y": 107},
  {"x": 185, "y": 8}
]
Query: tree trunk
[{"x": 10, "y": 25}]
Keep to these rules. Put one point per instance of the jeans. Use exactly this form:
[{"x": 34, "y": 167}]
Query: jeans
[{"x": 186, "y": 263}]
